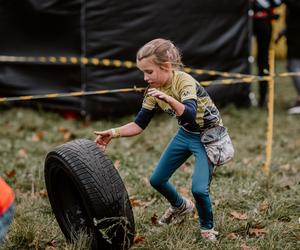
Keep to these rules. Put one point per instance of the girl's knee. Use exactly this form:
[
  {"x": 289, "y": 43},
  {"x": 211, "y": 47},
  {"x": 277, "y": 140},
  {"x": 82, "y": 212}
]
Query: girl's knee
[
  {"x": 155, "y": 182},
  {"x": 200, "y": 192}
]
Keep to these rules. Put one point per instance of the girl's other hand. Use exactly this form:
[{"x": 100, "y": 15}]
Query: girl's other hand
[
  {"x": 158, "y": 94},
  {"x": 103, "y": 138}
]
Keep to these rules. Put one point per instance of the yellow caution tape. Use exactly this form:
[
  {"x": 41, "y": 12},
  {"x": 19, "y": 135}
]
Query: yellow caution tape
[
  {"x": 78, "y": 93},
  {"x": 127, "y": 64},
  {"x": 99, "y": 92},
  {"x": 108, "y": 63}
]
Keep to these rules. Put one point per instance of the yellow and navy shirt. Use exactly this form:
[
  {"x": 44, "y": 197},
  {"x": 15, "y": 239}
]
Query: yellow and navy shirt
[{"x": 184, "y": 87}]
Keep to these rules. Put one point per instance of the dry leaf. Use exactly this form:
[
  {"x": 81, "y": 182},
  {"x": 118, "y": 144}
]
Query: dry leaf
[
  {"x": 154, "y": 220},
  {"x": 141, "y": 203},
  {"x": 185, "y": 167},
  {"x": 138, "y": 238},
  {"x": 50, "y": 245},
  {"x": 117, "y": 164},
  {"x": 257, "y": 232},
  {"x": 11, "y": 174},
  {"x": 69, "y": 136},
  {"x": 135, "y": 202},
  {"x": 148, "y": 202},
  {"x": 239, "y": 216},
  {"x": 285, "y": 167},
  {"x": 232, "y": 236},
  {"x": 264, "y": 206},
  {"x": 184, "y": 191},
  {"x": 246, "y": 161},
  {"x": 43, "y": 193},
  {"x": 63, "y": 130},
  {"x": 246, "y": 247},
  {"x": 146, "y": 181},
  {"x": 37, "y": 136},
  {"x": 22, "y": 153}
]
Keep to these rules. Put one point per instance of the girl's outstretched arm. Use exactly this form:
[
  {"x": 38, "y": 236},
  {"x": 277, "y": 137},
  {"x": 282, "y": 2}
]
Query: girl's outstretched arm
[{"x": 104, "y": 137}]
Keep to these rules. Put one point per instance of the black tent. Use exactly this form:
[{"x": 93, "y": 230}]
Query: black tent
[{"x": 211, "y": 35}]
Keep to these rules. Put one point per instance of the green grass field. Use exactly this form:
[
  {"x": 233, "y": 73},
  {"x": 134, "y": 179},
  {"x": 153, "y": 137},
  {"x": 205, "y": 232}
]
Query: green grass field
[{"x": 252, "y": 211}]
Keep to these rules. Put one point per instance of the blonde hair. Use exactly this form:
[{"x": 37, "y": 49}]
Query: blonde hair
[{"x": 162, "y": 51}]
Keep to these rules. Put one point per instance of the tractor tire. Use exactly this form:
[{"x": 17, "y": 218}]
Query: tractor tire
[{"x": 87, "y": 195}]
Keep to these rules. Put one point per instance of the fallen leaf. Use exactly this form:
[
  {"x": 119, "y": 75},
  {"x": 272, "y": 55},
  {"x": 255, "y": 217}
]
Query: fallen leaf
[
  {"x": 11, "y": 174},
  {"x": 141, "y": 203},
  {"x": 43, "y": 193},
  {"x": 184, "y": 191},
  {"x": 257, "y": 232},
  {"x": 22, "y": 153},
  {"x": 232, "y": 236},
  {"x": 239, "y": 216},
  {"x": 37, "y": 136},
  {"x": 117, "y": 164},
  {"x": 264, "y": 206},
  {"x": 285, "y": 167},
  {"x": 69, "y": 136},
  {"x": 146, "y": 181},
  {"x": 246, "y": 247},
  {"x": 246, "y": 161},
  {"x": 50, "y": 245},
  {"x": 135, "y": 202},
  {"x": 148, "y": 202},
  {"x": 186, "y": 167},
  {"x": 63, "y": 130},
  {"x": 138, "y": 238},
  {"x": 154, "y": 220}
]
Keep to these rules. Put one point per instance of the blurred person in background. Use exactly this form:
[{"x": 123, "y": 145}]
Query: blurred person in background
[
  {"x": 262, "y": 30},
  {"x": 6, "y": 208},
  {"x": 292, "y": 33}
]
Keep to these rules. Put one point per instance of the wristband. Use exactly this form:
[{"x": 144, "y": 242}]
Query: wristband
[{"x": 115, "y": 132}]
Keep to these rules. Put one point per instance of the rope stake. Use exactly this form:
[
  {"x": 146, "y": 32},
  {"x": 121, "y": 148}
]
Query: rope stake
[{"x": 269, "y": 136}]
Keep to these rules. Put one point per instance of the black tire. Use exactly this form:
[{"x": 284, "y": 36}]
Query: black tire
[{"x": 87, "y": 194}]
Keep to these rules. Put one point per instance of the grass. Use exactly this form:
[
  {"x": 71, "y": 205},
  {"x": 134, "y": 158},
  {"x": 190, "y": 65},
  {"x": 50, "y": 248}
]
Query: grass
[{"x": 269, "y": 204}]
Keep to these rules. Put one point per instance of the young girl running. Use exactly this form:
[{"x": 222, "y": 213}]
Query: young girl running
[{"x": 180, "y": 95}]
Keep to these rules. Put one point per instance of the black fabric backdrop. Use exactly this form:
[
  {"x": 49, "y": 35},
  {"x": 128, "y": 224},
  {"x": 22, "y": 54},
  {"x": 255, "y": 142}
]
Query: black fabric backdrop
[{"x": 210, "y": 34}]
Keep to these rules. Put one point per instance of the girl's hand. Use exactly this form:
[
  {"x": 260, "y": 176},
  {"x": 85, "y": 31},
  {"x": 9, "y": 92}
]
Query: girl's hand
[
  {"x": 158, "y": 94},
  {"x": 103, "y": 138}
]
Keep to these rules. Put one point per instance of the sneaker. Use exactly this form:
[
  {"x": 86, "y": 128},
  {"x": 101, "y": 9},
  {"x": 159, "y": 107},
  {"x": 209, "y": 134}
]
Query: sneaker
[
  {"x": 295, "y": 109},
  {"x": 173, "y": 213},
  {"x": 209, "y": 234}
]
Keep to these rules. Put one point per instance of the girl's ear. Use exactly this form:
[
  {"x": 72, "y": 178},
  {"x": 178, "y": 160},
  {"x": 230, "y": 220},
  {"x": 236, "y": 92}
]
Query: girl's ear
[{"x": 167, "y": 66}]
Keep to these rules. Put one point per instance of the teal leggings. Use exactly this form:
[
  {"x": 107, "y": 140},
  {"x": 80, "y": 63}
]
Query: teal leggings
[{"x": 181, "y": 147}]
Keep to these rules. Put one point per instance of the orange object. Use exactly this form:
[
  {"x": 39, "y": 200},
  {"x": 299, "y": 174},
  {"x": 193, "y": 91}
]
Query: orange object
[{"x": 6, "y": 196}]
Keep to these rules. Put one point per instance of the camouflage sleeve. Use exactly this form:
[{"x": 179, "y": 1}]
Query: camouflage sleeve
[{"x": 149, "y": 102}]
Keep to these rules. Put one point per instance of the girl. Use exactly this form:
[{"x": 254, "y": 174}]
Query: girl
[{"x": 180, "y": 95}]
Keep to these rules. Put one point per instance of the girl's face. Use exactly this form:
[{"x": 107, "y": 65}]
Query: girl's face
[{"x": 154, "y": 75}]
